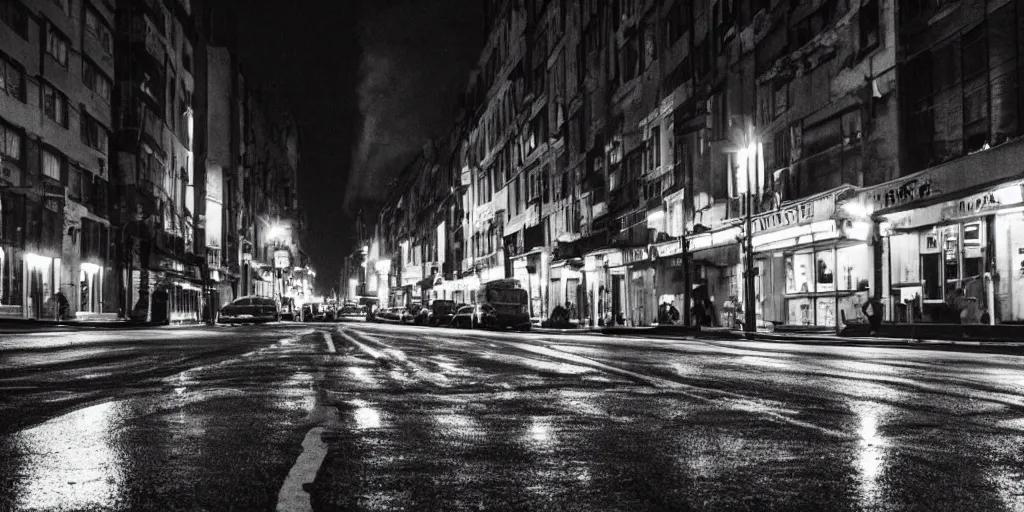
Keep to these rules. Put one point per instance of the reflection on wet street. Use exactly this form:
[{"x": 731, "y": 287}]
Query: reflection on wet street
[{"x": 384, "y": 417}]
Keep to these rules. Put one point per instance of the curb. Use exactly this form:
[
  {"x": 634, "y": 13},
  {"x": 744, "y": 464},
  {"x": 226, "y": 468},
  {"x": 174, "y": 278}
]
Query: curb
[
  {"x": 48, "y": 325},
  {"x": 800, "y": 339}
]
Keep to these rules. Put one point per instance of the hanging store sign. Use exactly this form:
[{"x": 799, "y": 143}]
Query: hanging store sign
[
  {"x": 282, "y": 259},
  {"x": 634, "y": 255}
]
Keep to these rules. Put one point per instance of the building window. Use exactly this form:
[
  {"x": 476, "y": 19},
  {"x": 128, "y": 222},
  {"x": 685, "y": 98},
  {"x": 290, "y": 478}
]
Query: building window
[
  {"x": 57, "y": 45},
  {"x": 10, "y": 143},
  {"x": 95, "y": 25},
  {"x": 12, "y": 79},
  {"x": 808, "y": 28},
  {"x": 55, "y": 105},
  {"x": 545, "y": 177},
  {"x": 656, "y": 139},
  {"x": 869, "y": 25},
  {"x": 677, "y": 22},
  {"x": 74, "y": 183},
  {"x": 51, "y": 165},
  {"x": 65, "y": 6},
  {"x": 15, "y": 15},
  {"x": 171, "y": 97},
  {"x": 94, "y": 79},
  {"x": 94, "y": 134}
]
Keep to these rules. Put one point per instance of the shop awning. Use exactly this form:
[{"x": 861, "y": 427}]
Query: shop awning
[{"x": 722, "y": 256}]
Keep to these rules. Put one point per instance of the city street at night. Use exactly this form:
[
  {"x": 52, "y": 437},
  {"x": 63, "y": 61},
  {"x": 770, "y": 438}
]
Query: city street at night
[{"x": 360, "y": 416}]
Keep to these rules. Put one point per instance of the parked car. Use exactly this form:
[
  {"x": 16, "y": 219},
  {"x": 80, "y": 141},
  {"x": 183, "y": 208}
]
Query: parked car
[
  {"x": 440, "y": 312},
  {"x": 351, "y": 310},
  {"x": 388, "y": 315},
  {"x": 464, "y": 316},
  {"x": 250, "y": 309},
  {"x": 410, "y": 313},
  {"x": 330, "y": 313},
  {"x": 307, "y": 313}
]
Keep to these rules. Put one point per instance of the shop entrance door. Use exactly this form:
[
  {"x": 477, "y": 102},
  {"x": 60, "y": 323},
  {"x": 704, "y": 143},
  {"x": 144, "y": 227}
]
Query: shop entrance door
[
  {"x": 618, "y": 298},
  {"x": 1016, "y": 247},
  {"x": 35, "y": 293},
  {"x": 572, "y": 294}
]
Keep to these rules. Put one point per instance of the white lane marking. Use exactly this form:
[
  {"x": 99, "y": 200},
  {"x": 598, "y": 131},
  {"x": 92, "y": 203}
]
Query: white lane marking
[
  {"x": 330, "y": 342},
  {"x": 396, "y": 356},
  {"x": 373, "y": 353},
  {"x": 292, "y": 497}
]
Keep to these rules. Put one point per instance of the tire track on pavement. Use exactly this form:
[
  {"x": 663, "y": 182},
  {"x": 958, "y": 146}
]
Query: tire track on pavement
[
  {"x": 732, "y": 400},
  {"x": 388, "y": 355}
]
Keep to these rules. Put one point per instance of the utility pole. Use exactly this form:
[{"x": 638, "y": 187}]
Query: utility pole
[
  {"x": 684, "y": 245},
  {"x": 749, "y": 309}
]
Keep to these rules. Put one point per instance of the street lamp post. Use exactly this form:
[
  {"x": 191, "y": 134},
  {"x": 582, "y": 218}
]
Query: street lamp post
[{"x": 750, "y": 311}]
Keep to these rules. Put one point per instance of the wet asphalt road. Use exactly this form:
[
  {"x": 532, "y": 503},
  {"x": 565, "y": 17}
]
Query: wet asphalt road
[{"x": 381, "y": 417}]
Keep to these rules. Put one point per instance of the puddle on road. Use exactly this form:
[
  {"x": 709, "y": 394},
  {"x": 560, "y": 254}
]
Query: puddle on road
[
  {"x": 73, "y": 461},
  {"x": 365, "y": 416},
  {"x": 871, "y": 448}
]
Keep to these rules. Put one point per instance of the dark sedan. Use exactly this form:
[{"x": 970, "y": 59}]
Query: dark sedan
[
  {"x": 439, "y": 313},
  {"x": 250, "y": 309}
]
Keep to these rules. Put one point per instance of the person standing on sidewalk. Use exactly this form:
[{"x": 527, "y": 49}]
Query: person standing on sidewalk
[{"x": 873, "y": 310}]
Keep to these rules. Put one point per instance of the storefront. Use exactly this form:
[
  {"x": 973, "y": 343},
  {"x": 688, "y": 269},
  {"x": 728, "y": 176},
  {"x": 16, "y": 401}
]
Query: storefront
[
  {"x": 43, "y": 279},
  {"x": 90, "y": 288},
  {"x": 669, "y": 276},
  {"x": 566, "y": 288},
  {"x": 959, "y": 260},
  {"x": 717, "y": 287},
  {"x": 12, "y": 278},
  {"x": 951, "y": 240},
  {"x": 264, "y": 282},
  {"x": 529, "y": 256},
  {"x": 642, "y": 304},
  {"x": 621, "y": 282},
  {"x": 813, "y": 263},
  {"x": 176, "y": 295}
]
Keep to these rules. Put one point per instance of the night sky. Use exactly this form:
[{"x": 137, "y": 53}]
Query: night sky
[{"x": 369, "y": 82}]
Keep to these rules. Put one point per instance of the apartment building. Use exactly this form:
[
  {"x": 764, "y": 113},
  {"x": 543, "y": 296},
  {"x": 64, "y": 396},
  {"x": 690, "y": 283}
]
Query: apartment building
[
  {"x": 623, "y": 155},
  {"x": 57, "y": 71},
  {"x": 109, "y": 207}
]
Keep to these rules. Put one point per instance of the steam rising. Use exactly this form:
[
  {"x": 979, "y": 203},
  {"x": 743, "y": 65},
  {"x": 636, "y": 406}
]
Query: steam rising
[{"x": 416, "y": 55}]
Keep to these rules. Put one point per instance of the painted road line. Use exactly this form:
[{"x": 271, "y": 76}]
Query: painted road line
[
  {"x": 292, "y": 496},
  {"x": 361, "y": 346},
  {"x": 330, "y": 342}
]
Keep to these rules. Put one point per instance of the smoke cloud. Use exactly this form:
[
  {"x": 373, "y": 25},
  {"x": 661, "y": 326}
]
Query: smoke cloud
[{"x": 416, "y": 55}]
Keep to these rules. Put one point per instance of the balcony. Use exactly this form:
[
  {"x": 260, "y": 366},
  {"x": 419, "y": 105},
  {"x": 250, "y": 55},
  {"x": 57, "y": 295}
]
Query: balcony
[
  {"x": 142, "y": 117},
  {"x": 146, "y": 36}
]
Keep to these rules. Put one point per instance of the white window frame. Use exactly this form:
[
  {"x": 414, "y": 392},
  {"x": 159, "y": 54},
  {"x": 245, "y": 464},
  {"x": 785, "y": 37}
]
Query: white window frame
[{"x": 51, "y": 164}]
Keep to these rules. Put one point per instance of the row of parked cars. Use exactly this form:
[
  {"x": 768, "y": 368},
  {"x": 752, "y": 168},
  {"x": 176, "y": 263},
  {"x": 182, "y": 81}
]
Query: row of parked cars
[
  {"x": 446, "y": 313},
  {"x": 253, "y": 309},
  {"x": 330, "y": 312}
]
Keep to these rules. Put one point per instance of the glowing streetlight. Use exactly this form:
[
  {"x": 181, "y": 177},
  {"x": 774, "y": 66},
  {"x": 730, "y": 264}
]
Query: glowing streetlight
[{"x": 276, "y": 232}]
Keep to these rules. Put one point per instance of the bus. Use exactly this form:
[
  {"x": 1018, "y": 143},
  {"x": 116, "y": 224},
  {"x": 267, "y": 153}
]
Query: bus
[{"x": 502, "y": 304}]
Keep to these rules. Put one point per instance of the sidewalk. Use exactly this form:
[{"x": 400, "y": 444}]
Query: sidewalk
[
  {"x": 816, "y": 338},
  {"x": 24, "y": 325}
]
